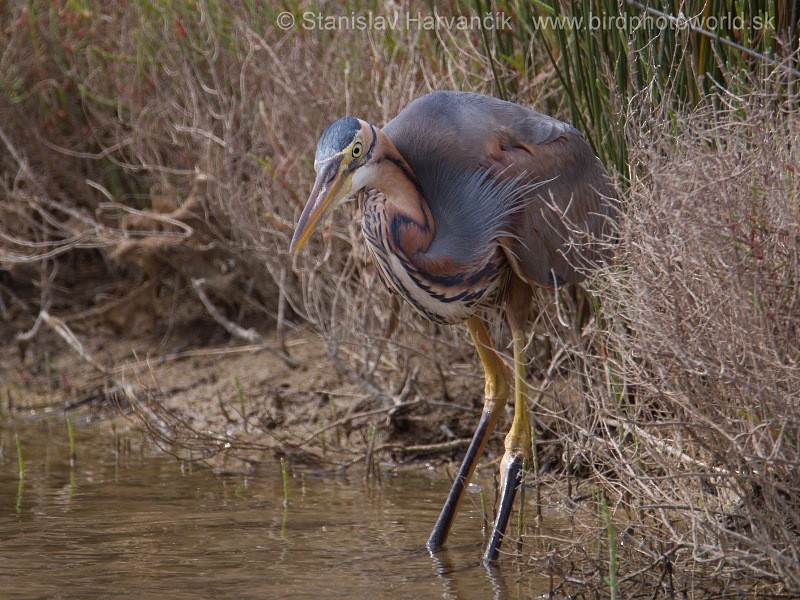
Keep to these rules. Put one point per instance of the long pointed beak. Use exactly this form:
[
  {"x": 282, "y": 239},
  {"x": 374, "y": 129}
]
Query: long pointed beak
[{"x": 320, "y": 202}]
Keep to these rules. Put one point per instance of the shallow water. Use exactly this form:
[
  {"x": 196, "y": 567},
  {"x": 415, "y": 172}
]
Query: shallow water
[{"x": 137, "y": 525}]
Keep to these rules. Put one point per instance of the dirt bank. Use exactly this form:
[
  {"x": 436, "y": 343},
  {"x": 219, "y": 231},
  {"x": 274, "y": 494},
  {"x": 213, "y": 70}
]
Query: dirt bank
[{"x": 205, "y": 395}]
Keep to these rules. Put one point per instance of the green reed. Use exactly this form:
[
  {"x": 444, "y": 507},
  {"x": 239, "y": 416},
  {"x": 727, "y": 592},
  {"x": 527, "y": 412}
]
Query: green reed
[
  {"x": 612, "y": 55},
  {"x": 285, "y": 478},
  {"x": 605, "y": 516},
  {"x": 20, "y": 457},
  {"x": 73, "y": 445}
]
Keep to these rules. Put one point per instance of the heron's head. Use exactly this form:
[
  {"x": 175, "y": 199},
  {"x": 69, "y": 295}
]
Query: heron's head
[{"x": 344, "y": 163}]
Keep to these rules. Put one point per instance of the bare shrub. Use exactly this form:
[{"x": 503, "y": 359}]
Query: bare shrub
[{"x": 700, "y": 411}]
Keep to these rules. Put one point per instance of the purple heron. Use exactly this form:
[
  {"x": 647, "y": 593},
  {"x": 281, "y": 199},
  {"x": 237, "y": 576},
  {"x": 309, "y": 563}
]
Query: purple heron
[{"x": 469, "y": 201}]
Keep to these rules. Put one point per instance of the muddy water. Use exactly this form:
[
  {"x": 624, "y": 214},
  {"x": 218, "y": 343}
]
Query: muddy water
[{"x": 134, "y": 524}]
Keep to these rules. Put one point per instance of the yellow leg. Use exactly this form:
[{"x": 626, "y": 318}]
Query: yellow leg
[
  {"x": 495, "y": 397},
  {"x": 518, "y": 439}
]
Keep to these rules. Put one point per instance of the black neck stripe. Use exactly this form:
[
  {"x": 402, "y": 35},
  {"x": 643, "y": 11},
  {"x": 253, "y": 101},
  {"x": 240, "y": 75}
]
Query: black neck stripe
[
  {"x": 400, "y": 164},
  {"x": 368, "y": 155}
]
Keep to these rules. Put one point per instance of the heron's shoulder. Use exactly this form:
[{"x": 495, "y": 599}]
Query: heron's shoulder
[{"x": 468, "y": 115}]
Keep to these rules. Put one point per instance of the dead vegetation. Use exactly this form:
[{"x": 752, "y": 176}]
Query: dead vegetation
[
  {"x": 153, "y": 165},
  {"x": 703, "y": 336}
]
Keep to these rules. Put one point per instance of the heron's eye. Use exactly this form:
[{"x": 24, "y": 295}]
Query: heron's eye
[{"x": 357, "y": 150}]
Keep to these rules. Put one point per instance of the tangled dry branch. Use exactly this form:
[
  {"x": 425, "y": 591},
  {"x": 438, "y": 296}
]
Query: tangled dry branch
[{"x": 148, "y": 192}]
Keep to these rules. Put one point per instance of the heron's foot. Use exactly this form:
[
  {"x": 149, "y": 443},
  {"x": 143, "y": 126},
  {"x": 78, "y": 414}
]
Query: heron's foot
[
  {"x": 518, "y": 449},
  {"x": 511, "y": 476}
]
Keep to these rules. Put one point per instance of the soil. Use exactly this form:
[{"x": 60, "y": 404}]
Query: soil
[{"x": 205, "y": 396}]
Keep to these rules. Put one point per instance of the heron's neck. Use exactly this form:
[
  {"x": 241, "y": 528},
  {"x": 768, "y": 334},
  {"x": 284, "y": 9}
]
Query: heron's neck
[{"x": 409, "y": 216}]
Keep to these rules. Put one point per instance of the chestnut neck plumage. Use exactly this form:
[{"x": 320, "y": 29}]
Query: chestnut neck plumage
[
  {"x": 406, "y": 208},
  {"x": 399, "y": 227}
]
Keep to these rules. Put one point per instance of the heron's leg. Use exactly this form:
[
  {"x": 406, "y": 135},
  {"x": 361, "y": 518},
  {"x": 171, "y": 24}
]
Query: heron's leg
[
  {"x": 495, "y": 397},
  {"x": 518, "y": 440}
]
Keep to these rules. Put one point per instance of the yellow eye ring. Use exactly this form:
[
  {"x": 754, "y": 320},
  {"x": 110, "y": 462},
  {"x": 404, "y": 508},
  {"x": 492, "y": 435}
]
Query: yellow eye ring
[{"x": 358, "y": 148}]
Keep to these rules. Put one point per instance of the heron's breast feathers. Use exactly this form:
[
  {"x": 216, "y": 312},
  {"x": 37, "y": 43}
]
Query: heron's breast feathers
[{"x": 438, "y": 286}]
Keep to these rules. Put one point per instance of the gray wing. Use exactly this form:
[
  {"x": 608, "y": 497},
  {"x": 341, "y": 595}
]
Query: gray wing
[
  {"x": 456, "y": 126},
  {"x": 569, "y": 202}
]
